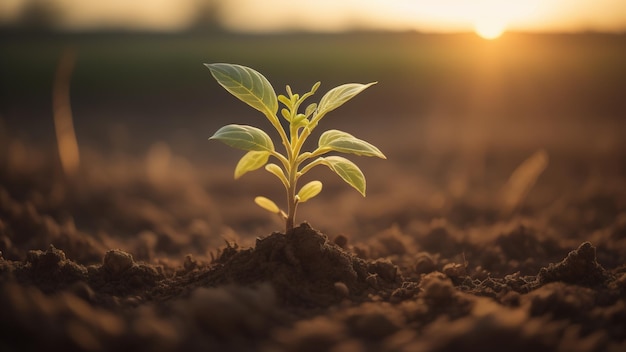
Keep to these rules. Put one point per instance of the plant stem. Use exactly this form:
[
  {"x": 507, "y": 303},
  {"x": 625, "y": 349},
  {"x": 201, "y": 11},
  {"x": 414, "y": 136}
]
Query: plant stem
[
  {"x": 292, "y": 204},
  {"x": 292, "y": 173},
  {"x": 293, "y": 144}
]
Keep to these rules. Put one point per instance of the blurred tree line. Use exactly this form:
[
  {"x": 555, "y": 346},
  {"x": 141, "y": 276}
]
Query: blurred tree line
[{"x": 49, "y": 15}]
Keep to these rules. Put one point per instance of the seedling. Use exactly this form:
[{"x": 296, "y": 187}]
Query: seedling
[{"x": 254, "y": 89}]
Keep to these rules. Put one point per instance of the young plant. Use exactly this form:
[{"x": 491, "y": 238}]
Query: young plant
[{"x": 254, "y": 89}]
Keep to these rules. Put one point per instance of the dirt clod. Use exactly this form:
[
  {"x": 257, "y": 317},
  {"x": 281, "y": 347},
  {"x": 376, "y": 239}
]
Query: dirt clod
[
  {"x": 117, "y": 262},
  {"x": 579, "y": 267}
]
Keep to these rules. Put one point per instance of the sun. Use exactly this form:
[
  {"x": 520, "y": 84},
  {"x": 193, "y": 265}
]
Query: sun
[{"x": 489, "y": 29}]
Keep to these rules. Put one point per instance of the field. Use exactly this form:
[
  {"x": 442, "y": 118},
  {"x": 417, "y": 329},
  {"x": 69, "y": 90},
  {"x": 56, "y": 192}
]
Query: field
[{"x": 498, "y": 219}]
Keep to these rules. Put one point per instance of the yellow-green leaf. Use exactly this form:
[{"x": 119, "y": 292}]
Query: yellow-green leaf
[
  {"x": 309, "y": 191},
  {"x": 267, "y": 204},
  {"x": 244, "y": 137},
  {"x": 278, "y": 172},
  {"x": 247, "y": 85},
  {"x": 283, "y": 99},
  {"x": 310, "y": 109},
  {"x": 337, "y": 96},
  {"x": 286, "y": 114},
  {"x": 347, "y": 170},
  {"x": 250, "y": 162},
  {"x": 346, "y": 143}
]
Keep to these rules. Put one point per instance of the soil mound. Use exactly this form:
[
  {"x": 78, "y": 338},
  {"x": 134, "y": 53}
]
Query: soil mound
[{"x": 304, "y": 267}]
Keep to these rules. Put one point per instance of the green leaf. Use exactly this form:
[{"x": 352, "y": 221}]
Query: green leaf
[
  {"x": 315, "y": 86},
  {"x": 309, "y": 191},
  {"x": 251, "y": 161},
  {"x": 247, "y": 85},
  {"x": 286, "y": 114},
  {"x": 299, "y": 121},
  {"x": 346, "y": 143},
  {"x": 310, "y": 109},
  {"x": 267, "y": 204},
  {"x": 278, "y": 172},
  {"x": 283, "y": 99},
  {"x": 337, "y": 96},
  {"x": 244, "y": 137},
  {"x": 347, "y": 170}
]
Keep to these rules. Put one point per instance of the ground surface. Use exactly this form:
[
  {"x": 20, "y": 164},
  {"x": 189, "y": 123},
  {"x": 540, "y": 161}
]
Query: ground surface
[
  {"x": 546, "y": 279},
  {"x": 498, "y": 221}
]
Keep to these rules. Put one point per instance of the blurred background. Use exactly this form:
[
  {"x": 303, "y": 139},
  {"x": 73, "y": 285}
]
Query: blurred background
[{"x": 468, "y": 94}]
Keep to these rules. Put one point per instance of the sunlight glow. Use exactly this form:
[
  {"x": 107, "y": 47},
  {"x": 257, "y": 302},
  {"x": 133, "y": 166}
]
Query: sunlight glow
[
  {"x": 332, "y": 15},
  {"x": 490, "y": 18},
  {"x": 489, "y": 29}
]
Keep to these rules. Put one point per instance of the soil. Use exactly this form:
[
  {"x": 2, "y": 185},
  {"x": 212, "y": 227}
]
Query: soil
[{"x": 124, "y": 262}]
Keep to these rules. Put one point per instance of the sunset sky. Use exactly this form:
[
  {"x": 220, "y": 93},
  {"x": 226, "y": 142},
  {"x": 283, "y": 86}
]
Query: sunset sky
[{"x": 332, "y": 15}]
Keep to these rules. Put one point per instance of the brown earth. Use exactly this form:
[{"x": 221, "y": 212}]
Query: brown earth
[{"x": 126, "y": 255}]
